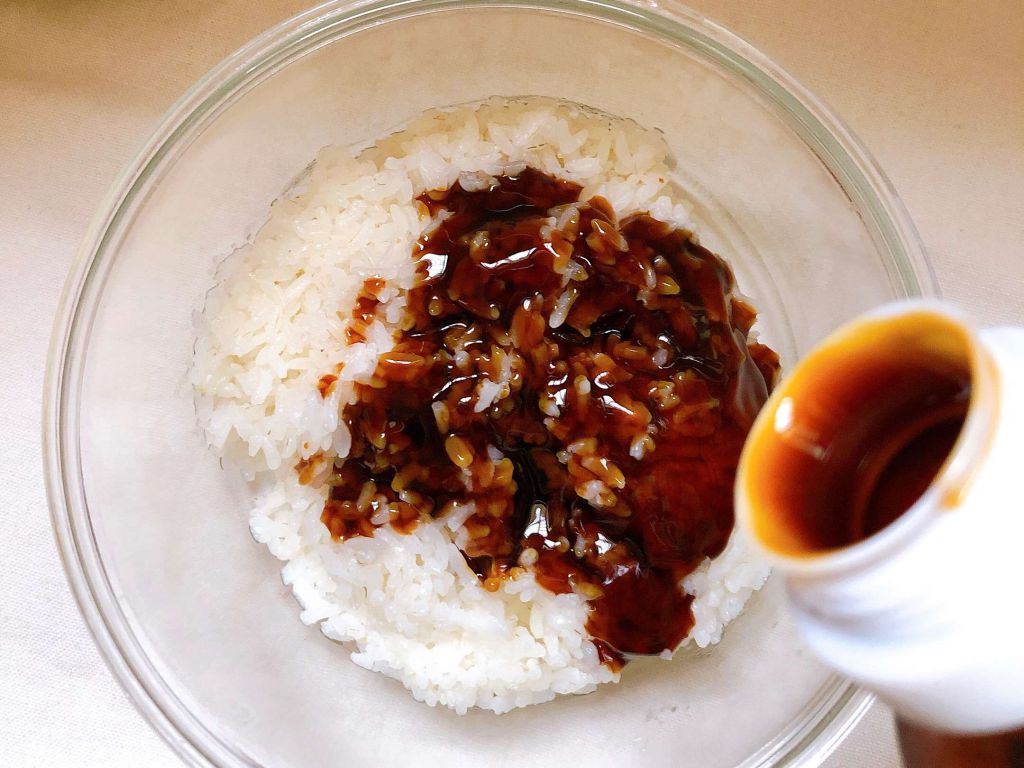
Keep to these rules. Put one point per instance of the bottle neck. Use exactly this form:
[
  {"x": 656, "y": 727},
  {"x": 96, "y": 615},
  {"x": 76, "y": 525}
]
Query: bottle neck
[{"x": 922, "y": 611}]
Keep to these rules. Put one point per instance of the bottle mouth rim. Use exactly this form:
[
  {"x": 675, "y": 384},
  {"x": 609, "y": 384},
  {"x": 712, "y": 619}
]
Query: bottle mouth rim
[{"x": 948, "y": 488}]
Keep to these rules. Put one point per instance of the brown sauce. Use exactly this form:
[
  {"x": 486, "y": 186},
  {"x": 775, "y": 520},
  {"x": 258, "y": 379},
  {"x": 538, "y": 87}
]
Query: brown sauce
[
  {"x": 924, "y": 748},
  {"x": 585, "y": 383},
  {"x": 860, "y": 433},
  {"x": 326, "y": 385},
  {"x": 364, "y": 311}
]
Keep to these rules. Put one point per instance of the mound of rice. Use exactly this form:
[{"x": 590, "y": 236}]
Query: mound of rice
[{"x": 275, "y": 323}]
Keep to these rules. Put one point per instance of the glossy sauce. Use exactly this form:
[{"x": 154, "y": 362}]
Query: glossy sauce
[
  {"x": 925, "y": 748},
  {"x": 861, "y": 432},
  {"x": 585, "y": 383}
]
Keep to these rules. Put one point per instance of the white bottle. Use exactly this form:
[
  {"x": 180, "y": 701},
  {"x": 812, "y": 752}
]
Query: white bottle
[{"x": 929, "y": 611}]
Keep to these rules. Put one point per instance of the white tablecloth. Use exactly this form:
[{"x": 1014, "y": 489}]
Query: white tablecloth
[{"x": 935, "y": 89}]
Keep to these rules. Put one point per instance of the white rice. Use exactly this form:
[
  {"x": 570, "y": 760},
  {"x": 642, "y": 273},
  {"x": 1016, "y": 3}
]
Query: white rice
[{"x": 275, "y": 323}]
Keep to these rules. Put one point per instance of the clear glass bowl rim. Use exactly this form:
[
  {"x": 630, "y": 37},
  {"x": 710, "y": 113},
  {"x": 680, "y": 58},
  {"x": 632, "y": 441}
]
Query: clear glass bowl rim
[{"x": 826, "y": 720}]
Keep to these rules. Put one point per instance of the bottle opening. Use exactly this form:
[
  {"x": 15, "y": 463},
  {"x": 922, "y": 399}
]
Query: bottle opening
[{"x": 857, "y": 433}]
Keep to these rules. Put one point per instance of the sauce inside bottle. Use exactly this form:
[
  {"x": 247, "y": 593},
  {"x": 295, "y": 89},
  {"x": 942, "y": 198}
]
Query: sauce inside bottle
[
  {"x": 857, "y": 435},
  {"x": 862, "y": 430}
]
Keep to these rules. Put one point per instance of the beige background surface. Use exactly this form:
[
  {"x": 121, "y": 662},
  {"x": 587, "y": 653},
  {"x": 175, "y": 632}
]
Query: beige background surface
[{"x": 935, "y": 88}]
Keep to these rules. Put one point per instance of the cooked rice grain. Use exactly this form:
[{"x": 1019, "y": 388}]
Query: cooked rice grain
[{"x": 276, "y": 323}]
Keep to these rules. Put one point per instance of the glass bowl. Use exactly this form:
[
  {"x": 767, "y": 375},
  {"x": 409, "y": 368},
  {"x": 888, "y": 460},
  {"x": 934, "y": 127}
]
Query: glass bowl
[{"x": 191, "y": 614}]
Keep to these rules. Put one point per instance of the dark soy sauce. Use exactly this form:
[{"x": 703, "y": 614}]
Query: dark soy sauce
[{"x": 606, "y": 464}]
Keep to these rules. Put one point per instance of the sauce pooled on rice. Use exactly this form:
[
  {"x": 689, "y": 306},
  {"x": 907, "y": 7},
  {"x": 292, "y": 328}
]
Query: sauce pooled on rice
[{"x": 579, "y": 386}]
